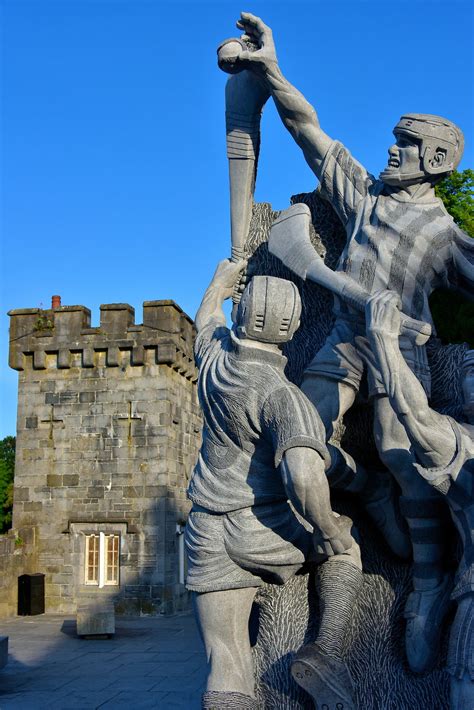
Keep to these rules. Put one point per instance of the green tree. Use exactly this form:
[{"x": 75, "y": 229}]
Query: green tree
[
  {"x": 7, "y": 472},
  {"x": 453, "y": 314},
  {"x": 457, "y": 193}
]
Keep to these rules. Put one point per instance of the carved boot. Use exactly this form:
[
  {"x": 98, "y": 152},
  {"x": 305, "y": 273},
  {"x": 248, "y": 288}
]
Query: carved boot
[
  {"x": 319, "y": 667},
  {"x": 324, "y": 677},
  {"x": 429, "y": 602},
  {"x": 425, "y": 612},
  {"x": 218, "y": 700}
]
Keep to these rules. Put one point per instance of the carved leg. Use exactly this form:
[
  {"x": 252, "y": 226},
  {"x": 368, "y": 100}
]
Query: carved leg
[
  {"x": 426, "y": 515},
  {"x": 223, "y": 619},
  {"x": 319, "y": 667},
  {"x": 332, "y": 399}
]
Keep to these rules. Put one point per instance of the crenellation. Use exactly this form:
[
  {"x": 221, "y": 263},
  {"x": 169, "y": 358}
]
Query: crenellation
[
  {"x": 62, "y": 338},
  {"x": 23, "y": 321},
  {"x": 70, "y": 320},
  {"x": 115, "y": 318}
]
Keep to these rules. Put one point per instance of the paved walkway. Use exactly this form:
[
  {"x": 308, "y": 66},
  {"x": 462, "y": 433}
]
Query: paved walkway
[{"x": 150, "y": 663}]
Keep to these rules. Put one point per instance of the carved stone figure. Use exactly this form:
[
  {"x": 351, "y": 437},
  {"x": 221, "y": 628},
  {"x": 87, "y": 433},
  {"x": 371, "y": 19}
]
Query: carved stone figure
[
  {"x": 263, "y": 448},
  {"x": 443, "y": 450},
  {"x": 400, "y": 237}
]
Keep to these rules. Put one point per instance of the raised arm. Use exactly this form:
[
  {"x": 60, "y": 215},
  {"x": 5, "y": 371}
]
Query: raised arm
[
  {"x": 221, "y": 287},
  {"x": 432, "y": 438},
  {"x": 297, "y": 114}
]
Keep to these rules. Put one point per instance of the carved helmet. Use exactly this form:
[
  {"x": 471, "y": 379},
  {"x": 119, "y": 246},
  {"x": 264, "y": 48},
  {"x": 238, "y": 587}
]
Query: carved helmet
[
  {"x": 441, "y": 142},
  {"x": 269, "y": 310}
]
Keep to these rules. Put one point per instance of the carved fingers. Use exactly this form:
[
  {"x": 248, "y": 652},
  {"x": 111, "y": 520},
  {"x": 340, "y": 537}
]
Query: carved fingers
[
  {"x": 383, "y": 313},
  {"x": 258, "y": 33},
  {"x": 339, "y": 541},
  {"x": 228, "y": 274},
  {"x": 256, "y": 30}
]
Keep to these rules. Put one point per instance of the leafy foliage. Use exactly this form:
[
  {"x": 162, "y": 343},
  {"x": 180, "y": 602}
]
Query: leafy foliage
[
  {"x": 7, "y": 471},
  {"x": 457, "y": 193},
  {"x": 453, "y": 314}
]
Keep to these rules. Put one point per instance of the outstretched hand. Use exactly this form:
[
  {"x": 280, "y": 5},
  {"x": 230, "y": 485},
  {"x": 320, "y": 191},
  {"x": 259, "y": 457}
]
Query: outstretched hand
[{"x": 259, "y": 34}]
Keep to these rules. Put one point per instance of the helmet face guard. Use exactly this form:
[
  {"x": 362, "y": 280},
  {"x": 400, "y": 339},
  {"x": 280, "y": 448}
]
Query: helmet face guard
[
  {"x": 269, "y": 310},
  {"x": 441, "y": 146}
]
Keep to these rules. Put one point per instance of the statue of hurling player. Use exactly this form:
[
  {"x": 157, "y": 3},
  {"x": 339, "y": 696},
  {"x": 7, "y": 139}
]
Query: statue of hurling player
[
  {"x": 263, "y": 445},
  {"x": 399, "y": 237},
  {"x": 444, "y": 453}
]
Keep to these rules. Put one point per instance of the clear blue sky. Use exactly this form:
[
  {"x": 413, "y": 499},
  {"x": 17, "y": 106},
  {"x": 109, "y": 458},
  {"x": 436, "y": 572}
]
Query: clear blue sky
[{"x": 114, "y": 175}]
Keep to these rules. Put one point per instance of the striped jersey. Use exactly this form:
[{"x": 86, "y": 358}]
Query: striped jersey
[{"x": 408, "y": 246}]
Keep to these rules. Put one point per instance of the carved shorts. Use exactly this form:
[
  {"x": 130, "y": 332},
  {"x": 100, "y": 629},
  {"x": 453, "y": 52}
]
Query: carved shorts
[
  {"x": 339, "y": 359},
  {"x": 244, "y": 548}
]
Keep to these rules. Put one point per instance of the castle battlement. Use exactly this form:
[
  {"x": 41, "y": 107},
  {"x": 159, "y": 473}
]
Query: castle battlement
[{"x": 62, "y": 337}]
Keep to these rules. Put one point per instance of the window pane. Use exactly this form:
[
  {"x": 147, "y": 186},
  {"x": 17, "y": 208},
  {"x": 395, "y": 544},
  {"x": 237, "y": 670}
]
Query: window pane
[
  {"x": 92, "y": 559},
  {"x": 112, "y": 559}
]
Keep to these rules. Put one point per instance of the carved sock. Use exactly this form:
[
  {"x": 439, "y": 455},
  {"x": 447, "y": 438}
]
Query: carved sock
[
  {"x": 427, "y": 525},
  {"x": 338, "y": 584},
  {"x": 344, "y": 473},
  {"x": 217, "y": 700}
]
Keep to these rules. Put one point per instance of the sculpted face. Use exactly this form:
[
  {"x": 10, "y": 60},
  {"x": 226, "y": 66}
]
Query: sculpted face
[{"x": 404, "y": 162}]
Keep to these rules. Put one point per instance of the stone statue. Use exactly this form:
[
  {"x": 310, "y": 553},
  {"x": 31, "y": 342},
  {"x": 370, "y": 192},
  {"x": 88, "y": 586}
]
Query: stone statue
[
  {"x": 443, "y": 450},
  {"x": 399, "y": 237},
  {"x": 261, "y": 508}
]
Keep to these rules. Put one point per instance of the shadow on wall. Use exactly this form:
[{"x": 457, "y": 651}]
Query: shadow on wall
[{"x": 151, "y": 563}]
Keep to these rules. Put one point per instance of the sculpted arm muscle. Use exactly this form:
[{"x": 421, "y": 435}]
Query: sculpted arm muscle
[
  {"x": 302, "y": 471},
  {"x": 433, "y": 440},
  {"x": 221, "y": 287},
  {"x": 298, "y": 116}
]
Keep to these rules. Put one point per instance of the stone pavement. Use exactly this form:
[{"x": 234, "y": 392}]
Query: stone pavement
[{"x": 151, "y": 662}]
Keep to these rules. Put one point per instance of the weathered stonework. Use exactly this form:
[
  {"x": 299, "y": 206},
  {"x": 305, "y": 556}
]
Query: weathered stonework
[
  {"x": 108, "y": 432},
  {"x": 17, "y": 556}
]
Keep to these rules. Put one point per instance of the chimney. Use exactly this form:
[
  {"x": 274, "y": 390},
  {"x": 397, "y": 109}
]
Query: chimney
[{"x": 56, "y": 302}]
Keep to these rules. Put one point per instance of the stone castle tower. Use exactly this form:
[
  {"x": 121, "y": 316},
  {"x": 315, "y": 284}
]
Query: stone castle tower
[{"x": 108, "y": 431}]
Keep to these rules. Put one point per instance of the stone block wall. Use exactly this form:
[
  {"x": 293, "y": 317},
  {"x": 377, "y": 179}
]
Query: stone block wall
[
  {"x": 108, "y": 433},
  {"x": 17, "y": 557}
]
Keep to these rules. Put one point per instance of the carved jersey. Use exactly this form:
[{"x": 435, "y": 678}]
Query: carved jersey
[
  {"x": 252, "y": 415},
  {"x": 456, "y": 482},
  {"x": 407, "y": 246}
]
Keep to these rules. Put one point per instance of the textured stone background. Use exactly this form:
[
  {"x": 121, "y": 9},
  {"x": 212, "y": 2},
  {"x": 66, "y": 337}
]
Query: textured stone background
[{"x": 288, "y": 616}]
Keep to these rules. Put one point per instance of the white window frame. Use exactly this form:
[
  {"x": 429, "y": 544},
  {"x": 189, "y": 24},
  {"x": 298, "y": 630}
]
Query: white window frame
[{"x": 102, "y": 579}]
